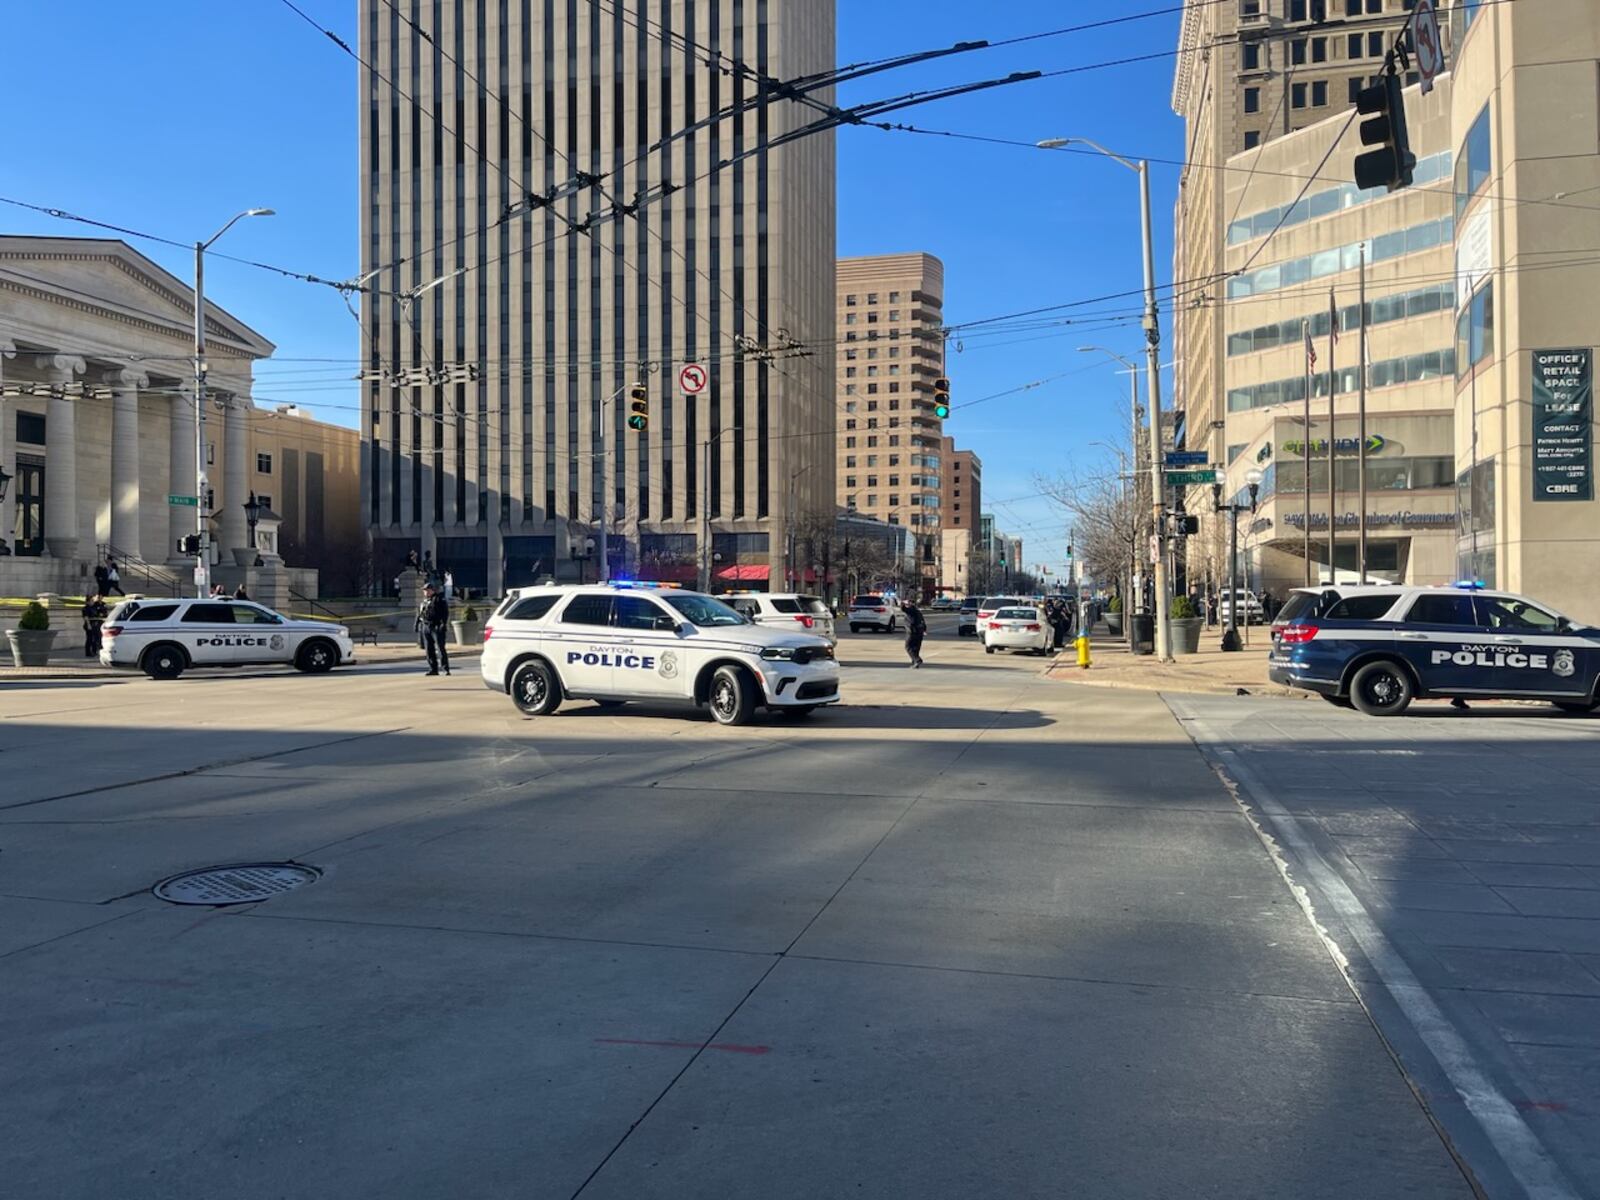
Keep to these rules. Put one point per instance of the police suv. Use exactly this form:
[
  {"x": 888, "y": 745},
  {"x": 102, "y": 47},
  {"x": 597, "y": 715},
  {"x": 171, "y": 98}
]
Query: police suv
[
  {"x": 618, "y": 642},
  {"x": 1378, "y": 648},
  {"x": 163, "y": 638}
]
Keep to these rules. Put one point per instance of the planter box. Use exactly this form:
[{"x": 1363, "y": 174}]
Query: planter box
[
  {"x": 1185, "y": 634},
  {"x": 30, "y": 647},
  {"x": 1114, "y": 624},
  {"x": 466, "y": 633}
]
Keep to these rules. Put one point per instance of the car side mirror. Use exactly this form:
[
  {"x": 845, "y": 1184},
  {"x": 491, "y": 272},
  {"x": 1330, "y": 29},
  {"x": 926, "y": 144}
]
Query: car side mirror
[
  {"x": 1563, "y": 624},
  {"x": 666, "y": 624}
]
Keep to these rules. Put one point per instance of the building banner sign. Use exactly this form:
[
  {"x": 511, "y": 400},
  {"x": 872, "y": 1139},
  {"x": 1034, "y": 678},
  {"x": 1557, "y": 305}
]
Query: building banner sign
[{"x": 1563, "y": 424}]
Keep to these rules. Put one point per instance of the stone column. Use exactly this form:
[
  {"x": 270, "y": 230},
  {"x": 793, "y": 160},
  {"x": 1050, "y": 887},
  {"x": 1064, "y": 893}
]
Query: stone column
[
  {"x": 181, "y": 476},
  {"x": 125, "y": 461},
  {"x": 235, "y": 531},
  {"x": 8, "y": 452},
  {"x": 61, "y": 455}
]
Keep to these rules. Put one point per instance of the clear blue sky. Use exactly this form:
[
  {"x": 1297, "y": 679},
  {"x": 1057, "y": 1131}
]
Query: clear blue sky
[{"x": 173, "y": 116}]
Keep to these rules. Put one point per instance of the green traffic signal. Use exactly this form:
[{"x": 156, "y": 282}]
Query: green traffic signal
[{"x": 941, "y": 411}]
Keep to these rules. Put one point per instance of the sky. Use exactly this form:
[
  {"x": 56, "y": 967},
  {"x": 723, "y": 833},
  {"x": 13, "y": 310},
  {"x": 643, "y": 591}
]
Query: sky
[{"x": 175, "y": 114}]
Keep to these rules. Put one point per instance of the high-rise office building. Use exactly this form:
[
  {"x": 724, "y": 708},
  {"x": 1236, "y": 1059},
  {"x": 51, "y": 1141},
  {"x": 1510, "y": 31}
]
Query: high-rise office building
[
  {"x": 537, "y": 240},
  {"x": 890, "y": 352}
]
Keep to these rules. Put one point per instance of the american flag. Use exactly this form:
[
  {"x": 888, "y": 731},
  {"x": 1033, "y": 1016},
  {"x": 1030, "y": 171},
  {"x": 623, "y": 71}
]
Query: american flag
[
  {"x": 1311, "y": 349},
  {"x": 1333, "y": 318}
]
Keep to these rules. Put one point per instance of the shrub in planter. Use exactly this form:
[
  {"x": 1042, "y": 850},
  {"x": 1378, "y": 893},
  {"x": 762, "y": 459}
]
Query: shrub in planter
[
  {"x": 31, "y": 639},
  {"x": 468, "y": 629},
  {"x": 1185, "y": 624}
]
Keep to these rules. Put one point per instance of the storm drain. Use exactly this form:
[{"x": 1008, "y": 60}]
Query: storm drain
[{"x": 245, "y": 883}]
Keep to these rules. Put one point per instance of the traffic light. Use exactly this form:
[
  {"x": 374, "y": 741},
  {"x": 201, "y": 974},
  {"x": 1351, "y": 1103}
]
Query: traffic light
[
  {"x": 639, "y": 408},
  {"x": 941, "y": 398},
  {"x": 1389, "y": 165}
]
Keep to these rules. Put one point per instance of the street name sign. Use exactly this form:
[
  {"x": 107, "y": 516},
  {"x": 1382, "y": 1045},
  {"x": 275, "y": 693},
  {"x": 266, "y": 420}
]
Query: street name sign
[
  {"x": 1187, "y": 458},
  {"x": 1191, "y": 478},
  {"x": 190, "y": 501}
]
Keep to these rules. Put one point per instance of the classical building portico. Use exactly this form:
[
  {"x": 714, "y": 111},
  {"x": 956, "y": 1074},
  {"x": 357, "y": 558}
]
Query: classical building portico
[{"x": 97, "y": 418}]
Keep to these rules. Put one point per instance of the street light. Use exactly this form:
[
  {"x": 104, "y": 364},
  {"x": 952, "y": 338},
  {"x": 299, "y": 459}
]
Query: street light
[
  {"x": 5, "y": 482},
  {"x": 252, "y": 515},
  {"x": 1152, "y": 336},
  {"x": 202, "y": 566},
  {"x": 1252, "y": 479}
]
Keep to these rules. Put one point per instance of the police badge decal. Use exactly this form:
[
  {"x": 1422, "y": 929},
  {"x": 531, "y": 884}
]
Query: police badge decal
[
  {"x": 1562, "y": 663},
  {"x": 669, "y": 665},
  {"x": 277, "y": 641}
]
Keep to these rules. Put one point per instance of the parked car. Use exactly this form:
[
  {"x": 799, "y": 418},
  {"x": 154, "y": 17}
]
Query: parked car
[
  {"x": 1250, "y": 610},
  {"x": 785, "y": 610},
  {"x": 164, "y": 638},
  {"x": 967, "y": 617},
  {"x": 1017, "y": 627},
  {"x": 874, "y": 611}
]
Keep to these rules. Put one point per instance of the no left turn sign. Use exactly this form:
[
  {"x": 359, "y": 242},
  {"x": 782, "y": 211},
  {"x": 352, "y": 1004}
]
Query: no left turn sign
[
  {"x": 1425, "y": 37},
  {"x": 692, "y": 378}
]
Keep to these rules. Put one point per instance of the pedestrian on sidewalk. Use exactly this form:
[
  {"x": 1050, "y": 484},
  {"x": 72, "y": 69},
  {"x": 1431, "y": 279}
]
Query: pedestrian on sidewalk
[
  {"x": 94, "y": 616},
  {"x": 100, "y": 579},
  {"x": 916, "y": 627},
  {"x": 113, "y": 578},
  {"x": 433, "y": 625},
  {"x": 240, "y": 594},
  {"x": 1056, "y": 613}
]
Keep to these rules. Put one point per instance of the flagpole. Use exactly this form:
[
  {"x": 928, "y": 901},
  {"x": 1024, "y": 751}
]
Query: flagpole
[
  {"x": 1361, "y": 422},
  {"x": 1333, "y": 337},
  {"x": 1305, "y": 456}
]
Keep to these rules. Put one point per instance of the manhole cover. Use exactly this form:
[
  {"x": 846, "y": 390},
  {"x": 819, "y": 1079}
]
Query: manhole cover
[{"x": 241, "y": 884}]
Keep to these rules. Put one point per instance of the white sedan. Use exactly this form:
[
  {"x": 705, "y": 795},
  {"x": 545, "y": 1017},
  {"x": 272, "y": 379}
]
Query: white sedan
[{"x": 1016, "y": 628}]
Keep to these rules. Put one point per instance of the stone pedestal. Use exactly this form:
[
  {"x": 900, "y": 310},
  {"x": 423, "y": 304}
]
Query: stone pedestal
[
  {"x": 410, "y": 593},
  {"x": 268, "y": 585}
]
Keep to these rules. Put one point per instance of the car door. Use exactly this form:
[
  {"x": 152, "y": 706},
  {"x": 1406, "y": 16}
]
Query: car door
[
  {"x": 1440, "y": 637},
  {"x": 647, "y": 660},
  {"x": 209, "y": 633},
  {"x": 585, "y": 644},
  {"x": 1541, "y": 657},
  {"x": 262, "y": 637}
]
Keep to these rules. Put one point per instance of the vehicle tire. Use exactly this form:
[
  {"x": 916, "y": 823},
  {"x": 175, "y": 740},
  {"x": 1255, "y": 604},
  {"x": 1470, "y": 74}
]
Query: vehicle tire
[
  {"x": 988, "y": 649},
  {"x": 1337, "y": 701},
  {"x": 854, "y": 628},
  {"x": 797, "y": 711},
  {"x": 535, "y": 690},
  {"x": 1577, "y": 706},
  {"x": 609, "y": 704},
  {"x": 1382, "y": 689},
  {"x": 317, "y": 657},
  {"x": 164, "y": 661},
  {"x": 732, "y": 698},
  {"x": 891, "y": 624}
]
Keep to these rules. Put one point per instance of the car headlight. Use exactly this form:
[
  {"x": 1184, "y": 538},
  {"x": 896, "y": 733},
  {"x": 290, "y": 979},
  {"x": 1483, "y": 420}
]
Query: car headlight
[{"x": 780, "y": 654}]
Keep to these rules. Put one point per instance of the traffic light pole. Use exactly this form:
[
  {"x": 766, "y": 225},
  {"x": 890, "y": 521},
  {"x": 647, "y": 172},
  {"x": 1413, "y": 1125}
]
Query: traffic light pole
[
  {"x": 1152, "y": 334},
  {"x": 603, "y": 572}
]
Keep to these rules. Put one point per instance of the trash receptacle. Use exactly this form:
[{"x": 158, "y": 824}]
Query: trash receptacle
[{"x": 1144, "y": 633}]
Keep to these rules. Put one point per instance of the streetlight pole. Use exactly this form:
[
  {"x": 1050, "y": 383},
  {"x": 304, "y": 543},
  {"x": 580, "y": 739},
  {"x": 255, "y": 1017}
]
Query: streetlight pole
[
  {"x": 1252, "y": 477},
  {"x": 202, "y": 565},
  {"x": 1152, "y": 335},
  {"x": 791, "y": 540},
  {"x": 603, "y": 572},
  {"x": 705, "y": 504}
]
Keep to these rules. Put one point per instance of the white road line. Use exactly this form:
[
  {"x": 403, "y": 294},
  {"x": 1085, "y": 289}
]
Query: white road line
[{"x": 1519, "y": 1148}]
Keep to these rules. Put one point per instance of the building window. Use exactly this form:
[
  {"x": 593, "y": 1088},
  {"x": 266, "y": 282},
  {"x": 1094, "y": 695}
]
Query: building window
[
  {"x": 1297, "y": 95},
  {"x": 1475, "y": 330},
  {"x": 1319, "y": 49},
  {"x": 850, "y": 301},
  {"x": 1252, "y": 99},
  {"x": 1319, "y": 93},
  {"x": 1252, "y": 139},
  {"x": 872, "y": 441},
  {"x": 850, "y": 461},
  {"x": 850, "y": 372},
  {"x": 1297, "y": 10},
  {"x": 1249, "y": 8},
  {"x": 1353, "y": 45},
  {"x": 1472, "y": 162},
  {"x": 1374, "y": 45},
  {"x": 263, "y": 464},
  {"x": 850, "y": 424},
  {"x": 264, "y": 500},
  {"x": 850, "y": 481},
  {"x": 1355, "y": 86},
  {"x": 1250, "y": 55},
  {"x": 872, "y": 297},
  {"x": 849, "y": 443},
  {"x": 1297, "y": 51}
]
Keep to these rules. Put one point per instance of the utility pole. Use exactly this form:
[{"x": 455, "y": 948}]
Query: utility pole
[
  {"x": 1333, "y": 391},
  {"x": 603, "y": 572},
  {"x": 1152, "y": 333},
  {"x": 1305, "y": 459},
  {"x": 1361, "y": 423}
]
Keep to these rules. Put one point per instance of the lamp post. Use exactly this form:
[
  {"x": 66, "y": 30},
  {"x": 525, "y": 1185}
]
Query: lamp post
[
  {"x": 5, "y": 536},
  {"x": 252, "y": 515},
  {"x": 1252, "y": 478},
  {"x": 1152, "y": 336},
  {"x": 582, "y": 556},
  {"x": 202, "y": 566},
  {"x": 791, "y": 539},
  {"x": 706, "y": 563}
]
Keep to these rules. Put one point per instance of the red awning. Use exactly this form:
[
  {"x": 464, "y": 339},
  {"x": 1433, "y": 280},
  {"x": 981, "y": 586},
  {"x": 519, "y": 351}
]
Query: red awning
[
  {"x": 811, "y": 575},
  {"x": 743, "y": 573}
]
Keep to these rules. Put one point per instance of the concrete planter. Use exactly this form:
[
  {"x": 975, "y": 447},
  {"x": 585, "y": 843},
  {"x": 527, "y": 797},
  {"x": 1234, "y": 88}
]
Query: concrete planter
[
  {"x": 1114, "y": 624},
  {"x": 30, "y": 647},
  {"x": 467, "y": 633},
  {"x": 1186, "y": 634}
]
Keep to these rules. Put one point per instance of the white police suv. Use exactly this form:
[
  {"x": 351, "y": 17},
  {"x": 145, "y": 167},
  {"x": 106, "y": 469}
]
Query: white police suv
[
  {"x": 1378, "y": 648},
  {"x": 618, "y": 642},
  {"x": 163, "y": 638}
]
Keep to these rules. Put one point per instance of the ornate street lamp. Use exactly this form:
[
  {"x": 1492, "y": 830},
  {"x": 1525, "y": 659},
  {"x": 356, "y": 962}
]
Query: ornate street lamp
[{"x": 252, "y": 514}]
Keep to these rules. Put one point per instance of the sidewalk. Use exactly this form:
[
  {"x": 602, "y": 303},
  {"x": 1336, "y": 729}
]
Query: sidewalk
[
  {"x": 1210, "y": 672},
  {"x": 64, "y": 667}
]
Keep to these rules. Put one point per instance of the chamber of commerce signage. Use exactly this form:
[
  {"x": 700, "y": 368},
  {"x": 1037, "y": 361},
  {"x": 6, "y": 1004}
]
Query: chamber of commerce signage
[
  {"x": 1403, "y": 520},
  {"x": 1344, "y": 445},
  {"x": 1563, "y": 424}
]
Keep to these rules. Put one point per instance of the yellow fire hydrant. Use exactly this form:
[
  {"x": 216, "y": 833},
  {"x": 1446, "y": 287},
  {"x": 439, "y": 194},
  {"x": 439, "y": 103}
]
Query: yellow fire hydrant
[{"x": 1083, "y": 650}]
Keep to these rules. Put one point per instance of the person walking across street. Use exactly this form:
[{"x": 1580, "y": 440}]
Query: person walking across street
[
  {"x": 916, "y": 627},
  {"x": 433, "y": 627},
  {"x": 113, "y": 579},
  {"x": 94, "y": 616}
]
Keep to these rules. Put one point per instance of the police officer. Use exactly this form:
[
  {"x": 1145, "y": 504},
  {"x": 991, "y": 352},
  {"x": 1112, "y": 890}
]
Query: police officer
[
  {"x": 1056, "y": 613},
  {"x": 94, "y": 616},
  {"x": 916, "y": 626},
  {"x": 433, "y": 623}
]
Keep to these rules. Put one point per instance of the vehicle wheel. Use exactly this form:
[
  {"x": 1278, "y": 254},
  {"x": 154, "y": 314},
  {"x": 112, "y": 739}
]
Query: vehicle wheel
[
  {"x": 891, "y": 624},
  {"x": 535, "y": 690},
  {"x": 1382, "y": 689},
  {"x": 988, "y": 649},
  {"x": 610, "y": 703},
  {"x": 732, "y": 699},
  {"x": 855, "y": 629},
  {"x": 1577, "y": 706},
  {"x": 163, "y": 662},
  {"x": 316, "y": 657},
  {"x": 1337, "y": 701},
  {"x": 796, "y": 711}
]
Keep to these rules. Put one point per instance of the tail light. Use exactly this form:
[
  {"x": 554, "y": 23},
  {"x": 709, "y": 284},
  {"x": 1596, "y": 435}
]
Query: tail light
[
  {"x": 1296, "y": 635},
  {"x": 880, "y": 610},
  {"x": 488, "y": 632},
  {"x": 110, "y": 630},
  {"x": 805, "y": 620},
  {"x": 994, "y": 624},
  {"x": 1033, "y": 629}
]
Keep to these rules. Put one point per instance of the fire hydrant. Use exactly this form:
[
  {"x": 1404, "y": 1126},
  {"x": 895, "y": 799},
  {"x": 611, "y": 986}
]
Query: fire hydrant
[{"x": 1083, "y": 650}]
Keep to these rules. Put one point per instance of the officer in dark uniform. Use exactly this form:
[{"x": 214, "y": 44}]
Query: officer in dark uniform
[
  {"x": 94, "y": 616},
  {"x": 916, "y": 627},
  {"x": 433, "y": 629}
]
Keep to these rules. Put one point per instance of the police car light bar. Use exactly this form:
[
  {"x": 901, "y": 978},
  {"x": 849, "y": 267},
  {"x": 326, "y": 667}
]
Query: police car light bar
[{"x": 1474, "y": 585}]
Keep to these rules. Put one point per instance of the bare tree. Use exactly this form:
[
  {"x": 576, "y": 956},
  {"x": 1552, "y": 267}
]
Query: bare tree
[{"x": 1106, "y": 518}]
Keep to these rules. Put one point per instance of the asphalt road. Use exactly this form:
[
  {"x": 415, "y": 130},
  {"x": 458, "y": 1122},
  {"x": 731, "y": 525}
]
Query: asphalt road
[{"x": 976, "y": 933}]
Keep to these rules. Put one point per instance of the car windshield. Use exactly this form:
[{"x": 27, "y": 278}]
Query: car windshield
[
  {"x": 1507, "y": 612},
  {"x": 1018, "y": 614},
  {"x": 703, "y": 611},
  {"x": 971, "y": 602},
  {"x": 866, "y": 602}
]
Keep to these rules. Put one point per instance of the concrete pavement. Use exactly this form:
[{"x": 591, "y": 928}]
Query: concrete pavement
[{"x": 976, "y": 933}]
